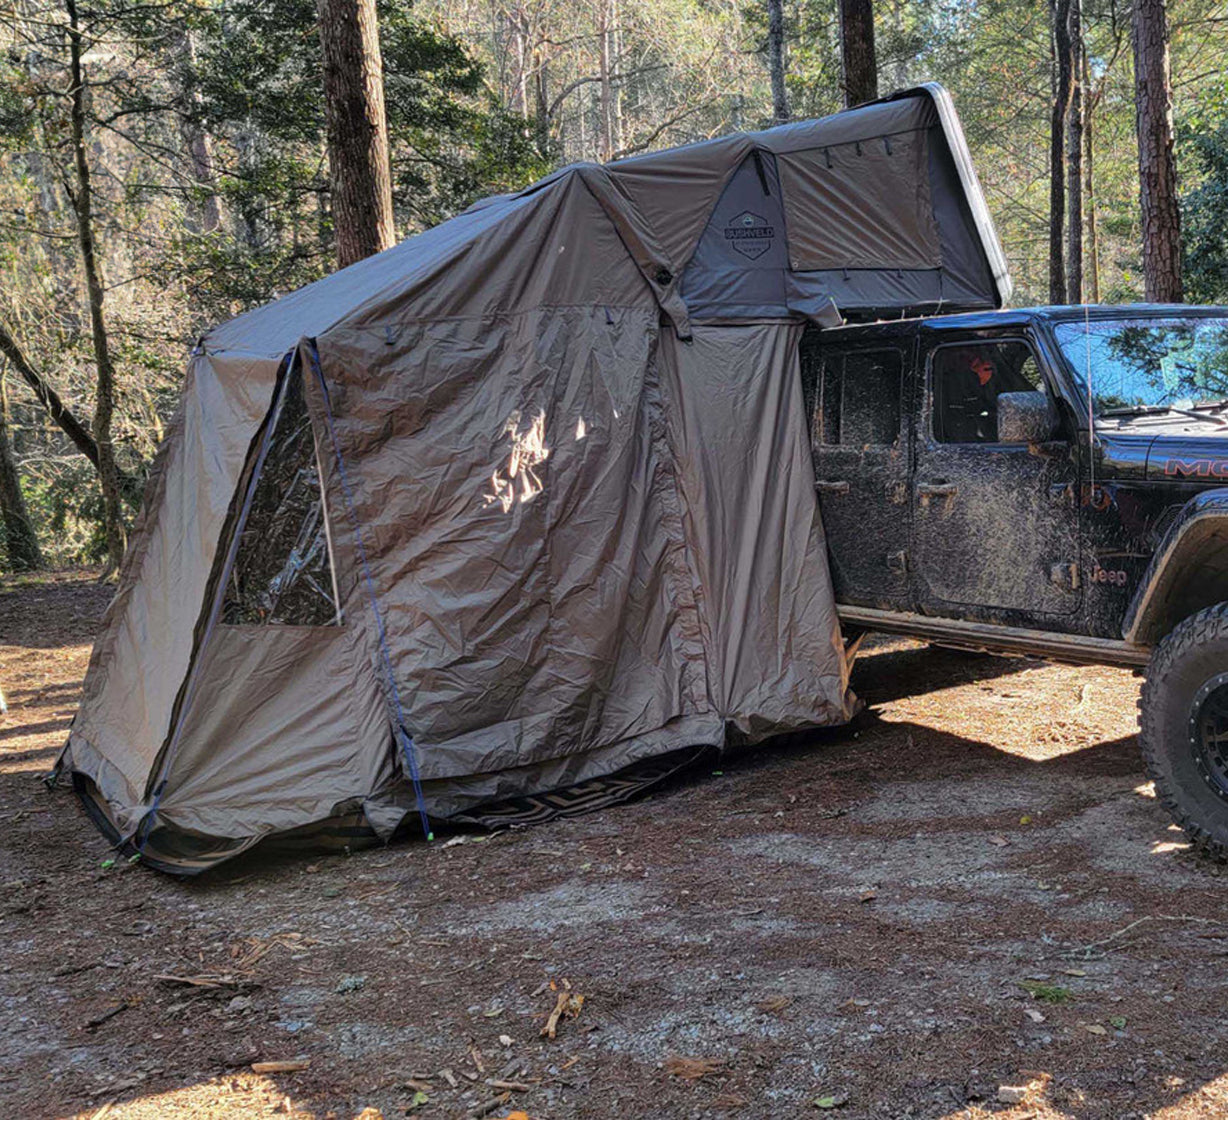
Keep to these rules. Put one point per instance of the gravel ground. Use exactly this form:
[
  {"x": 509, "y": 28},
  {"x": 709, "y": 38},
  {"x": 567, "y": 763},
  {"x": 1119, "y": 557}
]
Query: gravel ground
[{"x": 970, "y": 888}]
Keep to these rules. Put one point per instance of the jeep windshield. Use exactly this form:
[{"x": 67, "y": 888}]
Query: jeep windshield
[{"x": 1150, "y": 365}]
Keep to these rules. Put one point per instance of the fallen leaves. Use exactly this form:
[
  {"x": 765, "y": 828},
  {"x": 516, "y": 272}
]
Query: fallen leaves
[
  {"x": 692, "y": 1069},
  {"x": 251, "y": 950},
  {"x": 567, "y": 1006},
  {"x": 778, "y": 1002}
]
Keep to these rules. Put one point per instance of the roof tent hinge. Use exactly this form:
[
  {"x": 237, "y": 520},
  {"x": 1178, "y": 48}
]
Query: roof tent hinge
[
  {"x": 761, "y": 171},
  {"x": 887, "y": 144},
  {"x": 827, "y": 157},
  {"x": 857, "y": 145}
]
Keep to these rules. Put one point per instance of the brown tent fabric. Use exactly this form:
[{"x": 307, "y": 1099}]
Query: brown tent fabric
[{"x": 521, "y": 503}]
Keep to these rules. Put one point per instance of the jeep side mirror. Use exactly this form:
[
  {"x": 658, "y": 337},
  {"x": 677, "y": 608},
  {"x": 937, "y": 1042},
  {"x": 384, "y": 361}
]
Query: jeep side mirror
[{"x": 1025, "y": 418}]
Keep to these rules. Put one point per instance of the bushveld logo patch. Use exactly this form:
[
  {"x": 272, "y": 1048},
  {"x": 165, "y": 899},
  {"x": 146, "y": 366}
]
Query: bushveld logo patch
[{"x": 750, "y": 234}]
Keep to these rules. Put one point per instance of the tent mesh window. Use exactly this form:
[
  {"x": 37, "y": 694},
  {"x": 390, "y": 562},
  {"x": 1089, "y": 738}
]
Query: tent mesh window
[{"x": 282, "y": 571}]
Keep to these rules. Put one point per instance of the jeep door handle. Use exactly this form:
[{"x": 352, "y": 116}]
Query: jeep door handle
[
  {"x": 831, "y": 486},
  {"x": 937, "y": 490}
]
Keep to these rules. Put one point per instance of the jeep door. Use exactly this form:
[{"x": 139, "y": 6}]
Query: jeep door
[
  {"x": 860, "y": 445},
  {"x": 994, "y": 528}
]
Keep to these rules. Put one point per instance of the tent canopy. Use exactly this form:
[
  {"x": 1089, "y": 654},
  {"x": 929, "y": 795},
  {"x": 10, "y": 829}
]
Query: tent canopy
[{"x": 520, "y": 512}]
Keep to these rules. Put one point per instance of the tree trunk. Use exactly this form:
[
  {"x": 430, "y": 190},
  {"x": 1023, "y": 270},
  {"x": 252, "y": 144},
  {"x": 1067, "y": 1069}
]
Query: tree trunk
[
  {"x": 776, "y": 61},
  {"x": 1060, "y": 12},
  {"x": 104, "y": 405},
  {"x": 1089, "y": 188},
  {"x": 196, "y": 137},
  {"x": 616, "y": 63},
  {"x": 541, "y": 95},
  {"x": 858, "y": 63},
  {"x": 1157, "y": 171},
  {"x": 1074, "y": 160},
  {"x": 20, "y": 540},
  {"x": 360, "y": 174},
  {"x": 77, "y": 432},
  {"x": 604, "y": 80},
  {"x": 518, "y": 21}
]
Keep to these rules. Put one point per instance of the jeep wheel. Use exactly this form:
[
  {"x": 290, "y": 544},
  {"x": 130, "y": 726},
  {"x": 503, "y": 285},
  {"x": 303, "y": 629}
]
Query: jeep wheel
[{"x": 1184, "y": 727}]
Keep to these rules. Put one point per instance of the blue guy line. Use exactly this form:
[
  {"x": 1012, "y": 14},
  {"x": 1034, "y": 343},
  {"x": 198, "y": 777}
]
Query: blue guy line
[{"x": 404, "y": 739}]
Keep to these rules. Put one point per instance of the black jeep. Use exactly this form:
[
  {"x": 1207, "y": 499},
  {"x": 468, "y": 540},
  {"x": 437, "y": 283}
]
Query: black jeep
[{"x": 1048, "y": 481}]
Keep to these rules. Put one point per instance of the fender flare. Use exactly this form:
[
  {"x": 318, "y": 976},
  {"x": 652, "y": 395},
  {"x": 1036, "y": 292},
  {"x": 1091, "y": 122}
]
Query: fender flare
[{"x": 1198, "y": 536}]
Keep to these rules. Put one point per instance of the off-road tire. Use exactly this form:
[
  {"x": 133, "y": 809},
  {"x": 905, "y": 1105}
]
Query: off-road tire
[{"x": 1193, "y": 653}]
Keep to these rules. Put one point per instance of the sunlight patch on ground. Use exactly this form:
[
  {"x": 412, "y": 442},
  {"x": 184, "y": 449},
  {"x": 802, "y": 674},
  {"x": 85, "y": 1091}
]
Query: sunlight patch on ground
[
  {"x": 232, "y": 1095},
  {"x": 1162, "y": 847}
]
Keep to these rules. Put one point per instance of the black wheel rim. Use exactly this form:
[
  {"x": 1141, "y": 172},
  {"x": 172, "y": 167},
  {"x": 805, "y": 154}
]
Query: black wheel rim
[{"x": 1209, "y": 734}]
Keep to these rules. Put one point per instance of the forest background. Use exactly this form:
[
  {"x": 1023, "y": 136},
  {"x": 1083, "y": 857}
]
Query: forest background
[{"x": 166, "y": 165}]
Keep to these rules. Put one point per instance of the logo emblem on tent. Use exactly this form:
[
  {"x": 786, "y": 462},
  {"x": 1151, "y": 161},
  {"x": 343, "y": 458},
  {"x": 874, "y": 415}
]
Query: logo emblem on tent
[{"x": 750, "y": 234}]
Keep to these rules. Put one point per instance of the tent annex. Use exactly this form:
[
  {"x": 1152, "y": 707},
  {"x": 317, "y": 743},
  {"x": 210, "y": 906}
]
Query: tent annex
[{"x": 519, "y": 514}]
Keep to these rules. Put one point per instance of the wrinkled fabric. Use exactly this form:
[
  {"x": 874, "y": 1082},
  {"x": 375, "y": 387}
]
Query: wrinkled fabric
[
  {"x": 736, "y": 420},
  {"x": 145, "y": 643},
  {"x": 861, "y": 205},
  {"x": 558, "y": 458}
]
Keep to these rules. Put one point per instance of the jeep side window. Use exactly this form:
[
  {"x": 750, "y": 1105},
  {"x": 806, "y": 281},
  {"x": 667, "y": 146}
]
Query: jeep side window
[
  {"x": 966, "y": 379},
  {"x": 859, "y": 399}
]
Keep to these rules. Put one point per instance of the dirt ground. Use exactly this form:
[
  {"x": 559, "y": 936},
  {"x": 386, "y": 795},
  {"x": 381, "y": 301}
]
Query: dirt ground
[{"x": 971, "y": 887}]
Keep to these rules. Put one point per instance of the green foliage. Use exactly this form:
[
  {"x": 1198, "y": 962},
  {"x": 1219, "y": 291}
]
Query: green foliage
[
  {"x": 1050, "y": 994},
  {"x": 66, "y": 506},
  {"x": 16, "y": 112},
  {"x": 1204, "y": 148},
  {"x": 484, "y": 96},
  {"x": 260, "y": 97}
]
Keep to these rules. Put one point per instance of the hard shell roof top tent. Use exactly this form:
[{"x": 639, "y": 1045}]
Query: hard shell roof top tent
[{"x": 521, "y": 503}]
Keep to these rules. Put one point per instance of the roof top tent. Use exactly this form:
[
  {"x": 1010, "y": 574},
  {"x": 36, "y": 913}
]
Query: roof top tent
[{"x": 518, "y": 515}]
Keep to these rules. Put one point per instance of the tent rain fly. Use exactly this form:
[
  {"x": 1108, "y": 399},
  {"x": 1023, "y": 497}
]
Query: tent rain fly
[{"x": 519, "y": 515}]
